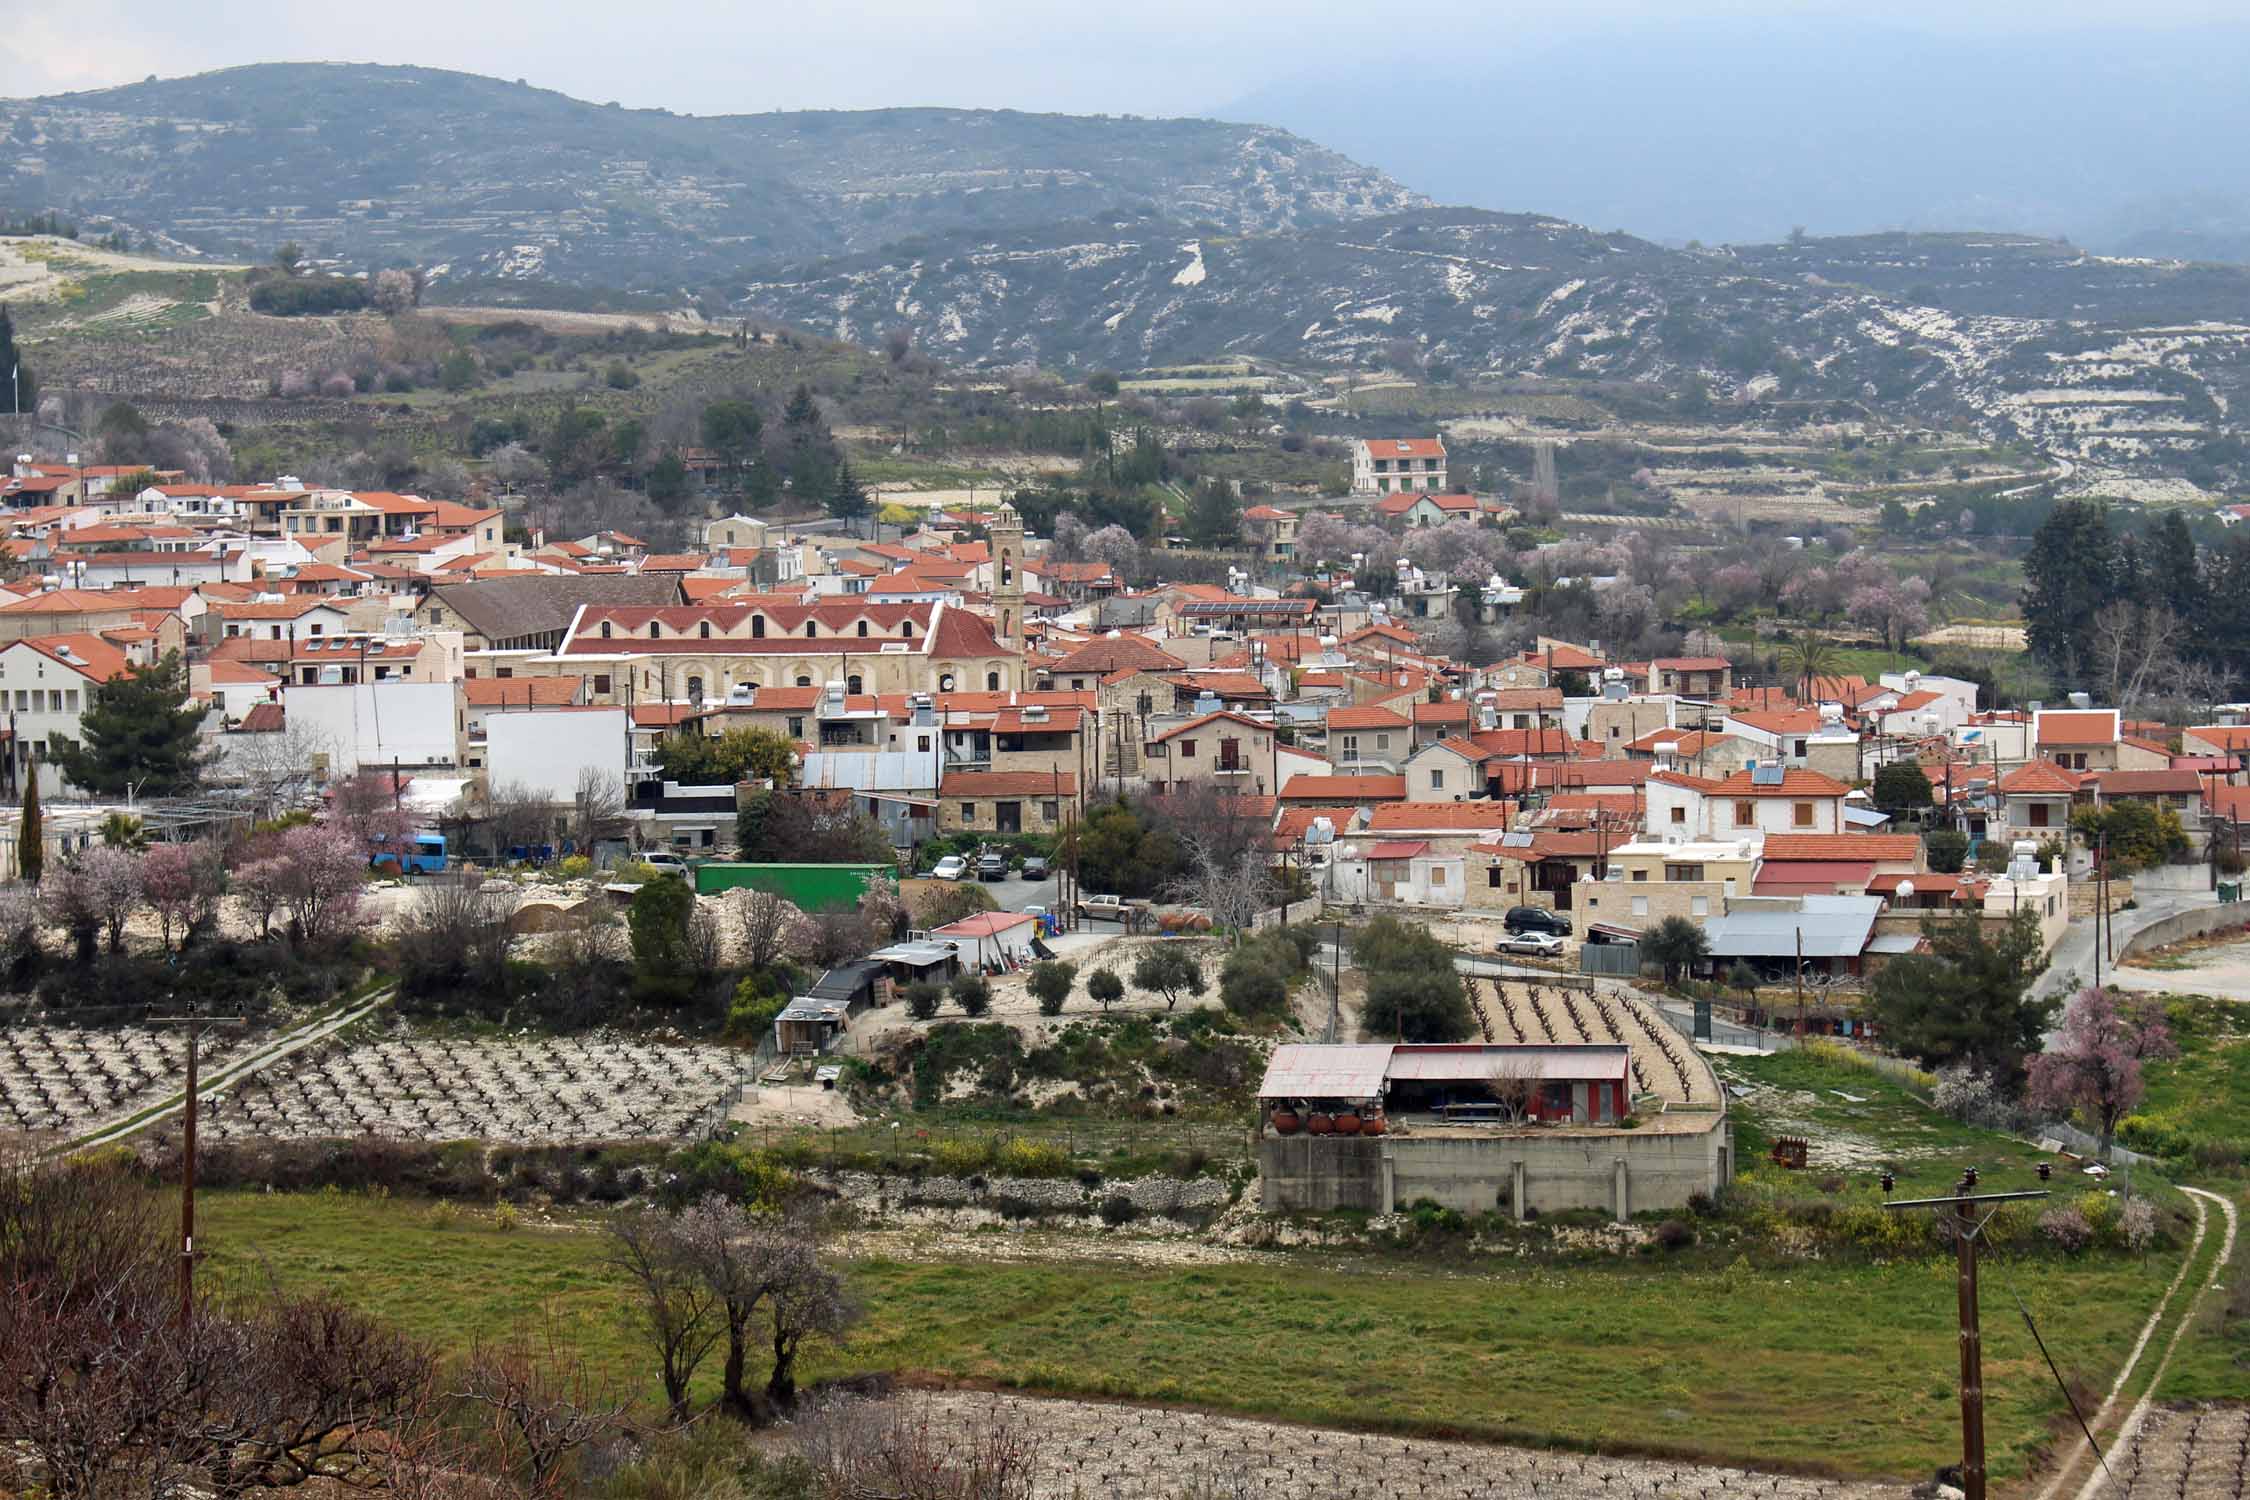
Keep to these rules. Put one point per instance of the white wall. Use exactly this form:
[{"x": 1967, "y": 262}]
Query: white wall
[
  {"x": 378, "y": 723},
  {"x": 544, "y": 750}
]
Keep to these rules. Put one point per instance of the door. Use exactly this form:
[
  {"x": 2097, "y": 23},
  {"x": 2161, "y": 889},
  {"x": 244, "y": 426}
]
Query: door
[{"x": 1008, "y": 817}]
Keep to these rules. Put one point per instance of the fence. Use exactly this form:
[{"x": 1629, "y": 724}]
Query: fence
[
  {"x": 1611, "y": 960},
  {"x": 2083, "y": 1144}
]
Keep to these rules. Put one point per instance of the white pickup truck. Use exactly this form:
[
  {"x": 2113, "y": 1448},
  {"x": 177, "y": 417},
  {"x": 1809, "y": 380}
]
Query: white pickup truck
[{"x": 1105, "y": 908}]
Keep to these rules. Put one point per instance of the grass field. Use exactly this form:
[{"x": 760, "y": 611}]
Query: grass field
[{"x": 1796, "y": 1364}]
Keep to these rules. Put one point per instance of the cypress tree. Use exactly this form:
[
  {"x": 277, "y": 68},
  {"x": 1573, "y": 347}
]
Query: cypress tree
[
  {"x": 23, "y": 393},
  {"x": 31, "y": 837}
]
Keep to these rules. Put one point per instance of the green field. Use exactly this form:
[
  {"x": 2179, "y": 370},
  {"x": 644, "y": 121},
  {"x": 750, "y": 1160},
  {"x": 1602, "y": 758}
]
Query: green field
[
  {"x": 2197, "y": 1111},
  {"x": 1829, "y": 1366}
]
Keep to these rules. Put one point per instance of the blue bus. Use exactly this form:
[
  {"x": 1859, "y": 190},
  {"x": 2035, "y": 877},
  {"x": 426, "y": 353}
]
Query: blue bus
[{"x": 423, "y": 855}]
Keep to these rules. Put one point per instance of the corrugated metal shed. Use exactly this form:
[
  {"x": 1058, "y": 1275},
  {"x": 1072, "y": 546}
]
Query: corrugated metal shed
[
  {"x": 1894, "y": 942},
  {"x": 1832, "y": 926},
  {"x": 1302, "y": 1070},
  {"x": 1473, "y": 1063}
]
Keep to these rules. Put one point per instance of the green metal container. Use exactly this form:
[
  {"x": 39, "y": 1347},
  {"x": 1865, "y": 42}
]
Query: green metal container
[{"x": 813, "y": 888}]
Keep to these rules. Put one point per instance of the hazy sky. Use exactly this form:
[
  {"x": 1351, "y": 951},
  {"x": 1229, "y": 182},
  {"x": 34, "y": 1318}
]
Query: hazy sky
[{"x": 1145, "y": 57}]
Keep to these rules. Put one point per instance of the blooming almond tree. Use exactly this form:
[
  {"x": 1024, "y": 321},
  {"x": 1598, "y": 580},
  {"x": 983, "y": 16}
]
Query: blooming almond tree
[
  {"x": 2094, "y": 1067},
  {"x": 319, "y": 880},
  {"x": 183, "y": 883}
]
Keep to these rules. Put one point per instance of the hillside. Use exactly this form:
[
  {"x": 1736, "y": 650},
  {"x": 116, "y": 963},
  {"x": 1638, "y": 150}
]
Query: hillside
[
  {"x": 375, "y": 165},
  {"x": 2127, "y": 370}
]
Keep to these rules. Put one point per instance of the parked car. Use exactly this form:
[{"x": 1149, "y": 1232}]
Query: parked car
[
  {"x": 665, "y": 862},
  {"x": 1543, "y": 944},
  {"x": 952, "y": 867},
  {"x": 1035, "y": 867},
  {"x": 1537, "y": 919},
  {"x": 992, "y": 867},
  {"x": 1103, "y": 908}
]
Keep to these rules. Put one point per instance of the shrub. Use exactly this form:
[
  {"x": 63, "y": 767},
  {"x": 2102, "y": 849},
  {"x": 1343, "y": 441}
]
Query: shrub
[
  {"x": 575, "y": 867},
  {"x": 2068, "y": 1228},
  {"x": 1974, "y": 1097},
  {"x": 1252, "y": 985},
  {"x": 1675, "y": 1234},
  {"x": 972, "y": 993},
  {"x": 2137, "y": 1225},
  {"x": 756, "y": 1002},
  {"x": 1118, "y": 1209},
  {"x": 923, "y": 997},
  {"x": 961, "y": 1157},
  {"x": 1022, "y": 1158},
  {"x": 1105, "y": 988},
  {"x": 1050, "y": 982}
]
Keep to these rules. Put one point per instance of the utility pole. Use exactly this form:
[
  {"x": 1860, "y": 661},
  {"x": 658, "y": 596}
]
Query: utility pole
[
  {"x": 194, "y": 1023},
  {"x": 1800, "y": 984},
  {"x": 1966, "y": 1226},
  {"x": 2101, "y": 902}
]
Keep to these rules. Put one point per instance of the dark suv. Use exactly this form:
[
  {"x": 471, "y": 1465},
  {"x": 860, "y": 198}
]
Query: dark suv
[
  {"x": 1537, "y": 919},
  {"x": 1035, "y": 867}
]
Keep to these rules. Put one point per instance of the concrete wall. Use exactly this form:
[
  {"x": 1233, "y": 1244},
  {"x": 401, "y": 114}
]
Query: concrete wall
[
  {"x": 1625, "y": 1173},
  {"x": 1641, "y": 904},
  {"x": 544, "y": 751},
  {"x": 375, "y": 724},
  {"x": 2195, "y": 922}
]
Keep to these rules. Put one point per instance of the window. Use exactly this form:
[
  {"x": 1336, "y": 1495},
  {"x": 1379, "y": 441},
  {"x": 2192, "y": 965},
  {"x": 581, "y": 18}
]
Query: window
[
  {"x": 1383, "y": 743},
  {"x": 1351, "y": 746},
  {"x": 601, "y": 683},
  {"x": 1640, "y": 874},
  {"x": 757, "y": 627},
  {"x": 1699, "y": 906},
  {"x": 803, "y": 680},
  {"x": 1437, "y": 875},
  {"x": 796, "y": 726},
  {"x": 1801, "y": 815},
  {"x": 505, "y": 672},
  {"x": 2038, "y": 810},
  {"x": 906, "y": 630},
  {"x": 70, "y": 700},
  {"x": 1679, "y": 815},
  {"x": 853, "y": 684},
  {"x": 1683, "y": 872},
  {"x": 1437, "y": 781},
  {"x": 1492, "y": 877},
  {"x": 54, "y": 700},
  {"x": 863, "y": 627},
  {"x": 922, "y": 742},
  {"x": 1051, "y": 811},
  {"x": 314, "y": 628},
  {"x": 1745, "y": 814},
  {"x": 1640, "y": 906},
  {"x": 968, "y": 812},
  {"x": 654, "y": 629},
  {"x": 992, "y": 682},
  {"x": 810, "y": 628},
  {"x": 605, "y": 630},
  {"x": 1187, "y": 748},
  {"x": 694, "y": 689},
  {"x": 703, "y": 630}
]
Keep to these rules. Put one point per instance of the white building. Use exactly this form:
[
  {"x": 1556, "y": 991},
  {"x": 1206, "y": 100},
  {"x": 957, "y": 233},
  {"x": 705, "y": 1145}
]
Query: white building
[
  {"x": 1395, "y": 466},
  {"x": 379, "y": 725}
]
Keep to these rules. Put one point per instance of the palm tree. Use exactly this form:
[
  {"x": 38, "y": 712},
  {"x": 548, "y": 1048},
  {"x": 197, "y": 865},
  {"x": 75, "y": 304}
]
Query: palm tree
[{"x": 1811, "y": 657}]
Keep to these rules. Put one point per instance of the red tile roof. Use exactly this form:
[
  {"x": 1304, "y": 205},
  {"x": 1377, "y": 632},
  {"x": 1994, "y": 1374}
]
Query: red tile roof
[
  {"x": 1193, "y": 724},
  {"x": 263, "y": 718},
  {"x": 2039, "y": 778},
  {"x": 2147, "y": 783},
  {"x": 1399, "y": 849},
  {"x": 1406, "y": 447},
  {"x": 1881, "y": 848},
  {"x": 2096, "y": 726},
  {"x": 1794, "y": 783},
  {"x": 1370, "y": 717},
  {"x": 88, "y": 655}
]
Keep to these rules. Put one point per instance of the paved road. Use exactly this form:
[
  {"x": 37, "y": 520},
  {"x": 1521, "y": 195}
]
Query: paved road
[{"x": 2158, "y": 894}]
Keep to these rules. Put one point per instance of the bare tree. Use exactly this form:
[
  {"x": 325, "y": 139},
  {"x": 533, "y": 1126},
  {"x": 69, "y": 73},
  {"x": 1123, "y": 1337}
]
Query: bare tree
[
  {"x": 514, "y": 816},
  {"x": 542, "y": 1405},
  {"x": 455, "y": 933},
  {"x": 1226, "y": 843},
  {"x": 597, "y": 809},
  {"x": 276, "y": 767},
  {"x": 808, "y": 1301},
  {"x": 679, "y": 1312},
  {"x": 2135, "y": 647},
  {"x": 1513, "y": 1082},
  {"x": 762, "y": 924},
  {"x": 862, "y": 1448}
]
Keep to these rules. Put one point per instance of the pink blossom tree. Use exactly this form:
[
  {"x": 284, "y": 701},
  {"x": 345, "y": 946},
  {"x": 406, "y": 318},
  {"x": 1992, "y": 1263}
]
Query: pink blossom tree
[
  {"x": 183, "y": 883},
  {"x": 259, "y": 883},
  {"x": 2094, "y": 1067},
  {"x": 323, "y": 870}
]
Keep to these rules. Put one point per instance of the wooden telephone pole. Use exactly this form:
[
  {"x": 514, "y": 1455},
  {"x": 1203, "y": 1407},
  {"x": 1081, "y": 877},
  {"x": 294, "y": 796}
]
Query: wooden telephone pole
[
  {"x": 194, "y": 1022},
  {"x": 1966, "y": 1226}
]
